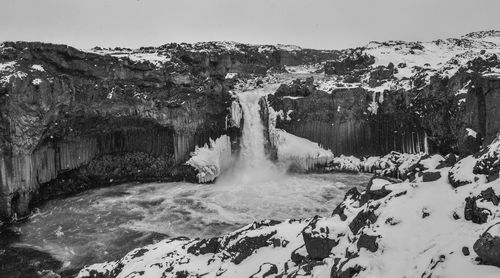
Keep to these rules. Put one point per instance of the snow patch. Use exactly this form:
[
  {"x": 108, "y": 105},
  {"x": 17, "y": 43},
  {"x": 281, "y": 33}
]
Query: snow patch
[{"x": 38, "y": 68}]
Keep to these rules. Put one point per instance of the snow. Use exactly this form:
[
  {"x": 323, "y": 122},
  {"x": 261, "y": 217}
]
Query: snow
[
  {"x": 471, "y": 132},
  {"x": 211, "y": 159},
  {"x": 298, "y": 151},
  {"x": 463, "y": 170},
  {"x": 288, "y": 47},
  {"x": 37, "y": 68},
  {"x": 345, "y": 163},
  {"x": 231, "y": 75},
  {"x": 292, "y": 97},
  {"x": 304, "y": 69},
  {"x": 36, "y": 81},
  {"x": 494, "y": 230},
  {"x": 155, "y": 57},
  {"x": 6, "y": 70},
  {"x": 379, "y": 184}
]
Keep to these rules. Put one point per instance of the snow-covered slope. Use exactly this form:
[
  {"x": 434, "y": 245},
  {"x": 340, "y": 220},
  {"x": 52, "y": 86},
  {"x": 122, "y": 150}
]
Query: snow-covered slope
[
  {"x": 409, "y": 229},
  {"x": 410, "y": 65}
]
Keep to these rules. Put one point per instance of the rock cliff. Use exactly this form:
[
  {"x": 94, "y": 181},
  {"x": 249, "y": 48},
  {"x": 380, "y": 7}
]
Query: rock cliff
[
  {"x": 398, "y": 95},
  {"x": 66, "y": 114}
]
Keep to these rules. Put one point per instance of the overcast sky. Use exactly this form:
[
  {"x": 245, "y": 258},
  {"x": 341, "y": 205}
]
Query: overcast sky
[{"x": 325, "y": 24}]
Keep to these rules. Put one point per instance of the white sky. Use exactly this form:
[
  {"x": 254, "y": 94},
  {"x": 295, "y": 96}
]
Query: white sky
[{"x": 325, "y": 24}]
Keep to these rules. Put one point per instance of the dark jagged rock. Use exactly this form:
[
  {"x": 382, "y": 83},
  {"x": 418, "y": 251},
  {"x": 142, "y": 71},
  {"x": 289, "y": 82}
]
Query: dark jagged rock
[
  {"x": 350, "y": 272},
  {"x": 246, "y": 246},
  {"x": 474, "y": 213},
  {"x": 355, "y": 59},
  {"x": 363, "y": 218},
  {"x": 381, "y": 74},
  {"x": 449, "y": 161},
  {"x": 204, "y": 246},
  {"x": 490, "y": 195},
  {"x": 430, "y": 176},
  {"x": 319, "y": 240},
  {"x": 368, "y": 242},
  {"x": 352, "y": 194},
  {"x": 477, "y": 214}
]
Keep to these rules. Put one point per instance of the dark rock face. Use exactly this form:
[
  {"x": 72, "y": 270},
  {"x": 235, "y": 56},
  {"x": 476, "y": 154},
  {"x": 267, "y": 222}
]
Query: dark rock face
[
  {"x": 368, "y": 242},
  {"x": 363, "y": 218},
  {"x": 318, "y": 240},
  {"x": 299, "y": 255},
  {"x": 339, "y": 119},
  {"x": 440, "y": 106},
  {"x": 430, "y": 176},
  {"x": 381, "y": 74},
  {"x": 487, "y": 247},
  {"x": 354, "y": 59}
]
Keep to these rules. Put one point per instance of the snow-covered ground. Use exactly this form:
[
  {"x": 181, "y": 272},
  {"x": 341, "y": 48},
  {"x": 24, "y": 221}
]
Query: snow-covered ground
[{"x": 420, "y": 60}]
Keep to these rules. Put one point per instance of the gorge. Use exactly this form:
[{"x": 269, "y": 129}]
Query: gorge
[{"x": 154, "y": 162}]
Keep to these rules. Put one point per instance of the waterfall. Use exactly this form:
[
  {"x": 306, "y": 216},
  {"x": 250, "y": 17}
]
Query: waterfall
[
  {"x": 252, "y": 154},
  {"x": 252, "y": 165}
]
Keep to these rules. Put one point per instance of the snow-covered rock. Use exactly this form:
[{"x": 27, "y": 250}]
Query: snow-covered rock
[
  {"x": 408, "y": 229},
  {"x": 212, "y": 159},
  {"x": 299, "y": 153}
]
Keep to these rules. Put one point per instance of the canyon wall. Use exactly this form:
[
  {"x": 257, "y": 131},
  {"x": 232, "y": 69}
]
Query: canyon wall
[
  {"x": 341, "y": 121},
  {"x": 66, "y": 113},
  {"x": 362, "y": 110}
]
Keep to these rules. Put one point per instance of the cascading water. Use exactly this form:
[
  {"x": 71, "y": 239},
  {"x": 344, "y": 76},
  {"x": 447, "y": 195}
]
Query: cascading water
[
  {"x": 252, "y": 165},
  {"x": 252, "y": 142}
]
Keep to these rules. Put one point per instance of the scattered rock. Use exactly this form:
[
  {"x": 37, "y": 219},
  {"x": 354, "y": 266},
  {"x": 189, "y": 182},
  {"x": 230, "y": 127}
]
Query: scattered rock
[{"x": 465, "y": 251}]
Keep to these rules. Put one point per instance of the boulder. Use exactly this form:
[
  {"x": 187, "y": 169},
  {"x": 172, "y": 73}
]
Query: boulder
[
  {"x": 474, "y": 213},
  {"x": 430, "y": 176},
  {"x": 487, "y": 247},
  {"x": 318, "y": 239},
  {"x": 368, "y": 242}
]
